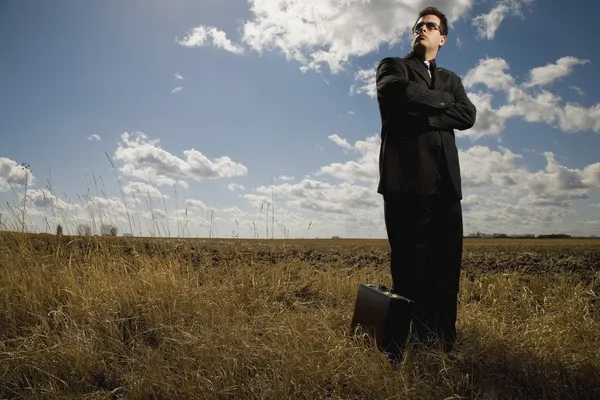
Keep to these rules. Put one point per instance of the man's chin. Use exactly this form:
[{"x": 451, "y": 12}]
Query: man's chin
[{"x": 418, "y": 46}]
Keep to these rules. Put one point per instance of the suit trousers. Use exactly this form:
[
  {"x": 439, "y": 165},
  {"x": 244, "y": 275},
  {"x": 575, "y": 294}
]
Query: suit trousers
[{"x": 425, "y": 233}]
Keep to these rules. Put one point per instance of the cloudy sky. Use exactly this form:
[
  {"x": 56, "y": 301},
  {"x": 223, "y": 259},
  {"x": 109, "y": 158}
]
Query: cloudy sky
[{"x": 185, "y": 117}]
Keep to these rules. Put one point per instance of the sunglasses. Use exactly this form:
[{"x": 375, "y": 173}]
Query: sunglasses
[{"x": 429, "y": 25}]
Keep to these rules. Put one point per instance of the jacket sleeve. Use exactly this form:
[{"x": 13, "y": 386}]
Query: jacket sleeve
[
  {"x": 460, "y": 115},
  {"x": 394, "y": 86}
]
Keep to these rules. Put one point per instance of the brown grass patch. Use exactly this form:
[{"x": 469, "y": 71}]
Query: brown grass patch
[{"x": 99, "y": 318}]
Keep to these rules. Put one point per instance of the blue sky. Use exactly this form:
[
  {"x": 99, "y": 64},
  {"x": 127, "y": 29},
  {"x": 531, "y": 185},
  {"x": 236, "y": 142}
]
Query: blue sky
[{"x": 275, "y": 101}]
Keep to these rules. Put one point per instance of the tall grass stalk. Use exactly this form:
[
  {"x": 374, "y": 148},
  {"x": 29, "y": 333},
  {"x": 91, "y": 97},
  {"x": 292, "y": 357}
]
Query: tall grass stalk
[{"x": 121, "y": 190}]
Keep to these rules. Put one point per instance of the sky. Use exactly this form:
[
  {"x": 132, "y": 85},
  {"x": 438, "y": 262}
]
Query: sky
[{"x": 195, "y": 118}]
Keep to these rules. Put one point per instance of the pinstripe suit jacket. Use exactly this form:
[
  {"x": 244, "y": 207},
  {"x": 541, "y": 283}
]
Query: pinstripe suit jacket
[{"x": 411, "y": 145}]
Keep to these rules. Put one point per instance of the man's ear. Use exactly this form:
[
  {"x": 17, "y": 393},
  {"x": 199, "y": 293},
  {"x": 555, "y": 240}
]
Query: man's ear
[{"x": 442, "y": 40}]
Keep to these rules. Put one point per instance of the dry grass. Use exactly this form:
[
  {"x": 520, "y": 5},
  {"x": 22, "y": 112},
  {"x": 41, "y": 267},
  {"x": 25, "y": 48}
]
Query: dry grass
[{"x": 104, "y": 318}]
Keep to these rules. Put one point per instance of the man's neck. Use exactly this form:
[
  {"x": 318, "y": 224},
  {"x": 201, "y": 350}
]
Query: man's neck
[{"x": 427, "y": 56}]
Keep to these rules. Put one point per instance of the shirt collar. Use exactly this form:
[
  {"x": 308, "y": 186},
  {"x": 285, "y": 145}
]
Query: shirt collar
[{"x": 418, "y": 57}]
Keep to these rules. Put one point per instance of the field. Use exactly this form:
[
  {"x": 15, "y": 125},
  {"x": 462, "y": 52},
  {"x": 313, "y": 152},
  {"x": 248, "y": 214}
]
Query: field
[{"x": 109, "y": 318}]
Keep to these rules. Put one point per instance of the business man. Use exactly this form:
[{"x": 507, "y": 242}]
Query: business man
[{"x": 420, "y": 106}]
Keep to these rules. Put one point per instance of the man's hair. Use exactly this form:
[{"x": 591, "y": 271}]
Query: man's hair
[{"x": 437, "y": 13}]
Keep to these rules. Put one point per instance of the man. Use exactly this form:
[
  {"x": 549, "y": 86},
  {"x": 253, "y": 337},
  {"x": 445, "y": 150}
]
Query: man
[{"x": 420, "y": 107}]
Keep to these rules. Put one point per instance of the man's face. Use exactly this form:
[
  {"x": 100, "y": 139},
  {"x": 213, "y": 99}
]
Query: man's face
[{"x": 426, "y": 33}]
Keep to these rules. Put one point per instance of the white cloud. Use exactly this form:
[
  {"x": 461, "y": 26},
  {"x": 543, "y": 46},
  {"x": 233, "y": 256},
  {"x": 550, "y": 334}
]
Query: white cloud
[
  {"x": 14, "y": 174},
  {"x": 528, "y": 102},
  {"x": 343, "y": 143},
  {"x": 257, "y": 201},
  {"x": 366, "y": 84},
  {"x": 45, "y": 199},
  {"x": 364, "y": 169},
  {"x": 105, "y": 204},
  {"x": 177, "y": 89},
  {"x": 324, "y": 197},
  {"x": 196, "y": 204},
  {"x": 488, "y": 123},
  {"x": 554, "y": 185},
  {"x": 204, "y": 35},
  {"x": 487, "y": 214},
  {"x": 490, "y": 72},
  {"x": 576, "y": 118},
  {"x": 143, "y": 189},
  {"x": 95, "y": 137},
  {"x": 183, "y": 184},
  {"x": 143, "y": 158},
  {"x": 488, "y": 24},
  {"x": 578, "y": 90},
  {"x": 482, "y": 166},
  {"x": 331, "y": 32},
  {"x": 543, "y": 106},
  {"x": 234, "y": 187},
  {"x": 178, "y": 76},
  {"x": 552, "y": 72},
  {"x": 47, "y": 209}
]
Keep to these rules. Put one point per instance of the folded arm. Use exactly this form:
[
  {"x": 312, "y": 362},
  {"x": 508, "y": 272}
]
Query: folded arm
[
  {"x": 393, "y": 86},
  {"x": 460, "y": 115}
]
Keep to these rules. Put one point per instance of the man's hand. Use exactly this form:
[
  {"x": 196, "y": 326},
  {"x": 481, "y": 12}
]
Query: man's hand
[{"x": 460, "y": 115}]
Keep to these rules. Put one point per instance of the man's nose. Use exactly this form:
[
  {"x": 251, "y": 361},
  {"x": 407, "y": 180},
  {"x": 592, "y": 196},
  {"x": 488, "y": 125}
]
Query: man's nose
[{"x": 421, "y": 28}]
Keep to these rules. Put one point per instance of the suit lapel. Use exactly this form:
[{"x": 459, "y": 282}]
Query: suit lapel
[
  {"x": 437, "y": 80},
  {"x": 421, "y": 70}
]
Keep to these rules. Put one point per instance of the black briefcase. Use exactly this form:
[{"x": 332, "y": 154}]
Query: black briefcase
[{"x": 383, "y": 316}]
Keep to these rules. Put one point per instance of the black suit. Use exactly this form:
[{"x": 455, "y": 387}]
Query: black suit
[{"x": 421, "y": 185}]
